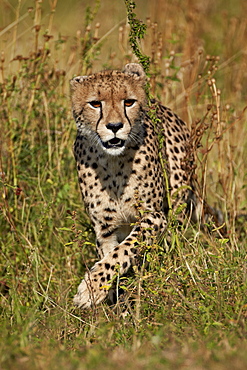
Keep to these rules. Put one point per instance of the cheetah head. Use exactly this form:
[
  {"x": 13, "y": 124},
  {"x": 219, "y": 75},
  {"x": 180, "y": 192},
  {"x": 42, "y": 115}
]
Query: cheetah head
[{"x": 109, "y": 107}]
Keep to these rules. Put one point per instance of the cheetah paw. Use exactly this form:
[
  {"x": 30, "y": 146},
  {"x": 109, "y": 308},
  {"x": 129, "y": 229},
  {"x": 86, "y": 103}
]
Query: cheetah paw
[{"x": 89, "y": 292}]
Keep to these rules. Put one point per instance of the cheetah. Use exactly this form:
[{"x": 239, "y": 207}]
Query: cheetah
[{"x": 120, "y": 172}]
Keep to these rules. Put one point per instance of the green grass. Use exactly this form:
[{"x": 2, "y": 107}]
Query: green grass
[{"x": 190, "y": 306}]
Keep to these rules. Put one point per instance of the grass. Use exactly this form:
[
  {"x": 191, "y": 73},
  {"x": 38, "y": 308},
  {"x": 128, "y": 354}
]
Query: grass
[{"x": 191, "y": 305}]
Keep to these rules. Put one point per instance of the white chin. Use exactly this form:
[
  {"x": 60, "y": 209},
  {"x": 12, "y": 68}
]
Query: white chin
[{"x": 114, "y": 151}]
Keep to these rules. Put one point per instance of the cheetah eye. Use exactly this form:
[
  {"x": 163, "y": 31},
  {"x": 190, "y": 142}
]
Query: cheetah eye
[
  {"x": 95, "y": 104},
  {"x": 129, "y": 102}
]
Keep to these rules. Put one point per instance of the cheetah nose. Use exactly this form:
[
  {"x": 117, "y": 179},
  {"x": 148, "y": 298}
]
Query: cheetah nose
[{"x": 114, "y": 126}]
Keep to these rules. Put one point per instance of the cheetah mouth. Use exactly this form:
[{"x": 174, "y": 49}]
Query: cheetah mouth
[{"x": 114, "y": 143}]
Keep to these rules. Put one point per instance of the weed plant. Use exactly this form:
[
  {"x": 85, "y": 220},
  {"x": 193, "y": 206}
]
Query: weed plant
[{"x": 190, "y": 305}]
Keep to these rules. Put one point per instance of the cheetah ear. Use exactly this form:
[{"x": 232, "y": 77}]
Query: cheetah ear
[
  {"x": 77, "y": 80},
  {"x": 135, "y": 69}
]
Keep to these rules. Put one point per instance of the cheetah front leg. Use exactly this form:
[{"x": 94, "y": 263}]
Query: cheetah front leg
[{"x": 97, "y": 282}]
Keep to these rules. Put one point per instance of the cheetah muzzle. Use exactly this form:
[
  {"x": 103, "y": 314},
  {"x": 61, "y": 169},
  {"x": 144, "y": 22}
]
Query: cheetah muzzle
[{"x": 116, "y": 151}]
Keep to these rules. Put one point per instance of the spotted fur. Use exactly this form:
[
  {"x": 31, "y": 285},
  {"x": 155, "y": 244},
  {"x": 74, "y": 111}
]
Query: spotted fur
[{"x": 120, "y": 171}]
